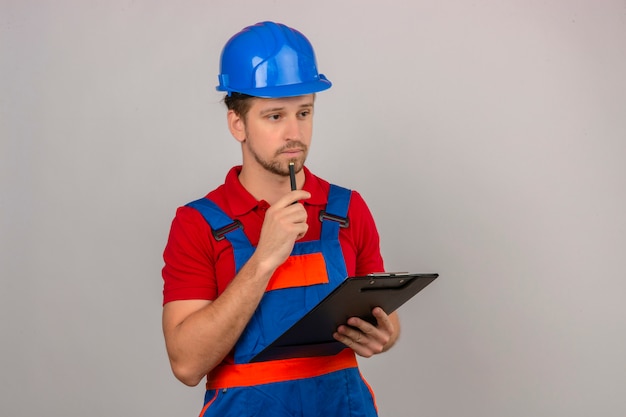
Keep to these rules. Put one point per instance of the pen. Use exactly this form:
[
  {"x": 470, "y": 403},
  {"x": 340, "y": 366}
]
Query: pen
[{"x": 292, "y": 176}]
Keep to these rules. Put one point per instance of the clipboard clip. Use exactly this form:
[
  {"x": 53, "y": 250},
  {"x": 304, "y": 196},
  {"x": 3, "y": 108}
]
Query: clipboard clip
[
  {"x": 220, "y": 233},
  {"x": 343, "y": 221}
]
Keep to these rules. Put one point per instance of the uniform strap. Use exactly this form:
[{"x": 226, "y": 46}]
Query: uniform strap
[
  {"x": 221, "y": 224},
  {"x": 336, "y": 213}
]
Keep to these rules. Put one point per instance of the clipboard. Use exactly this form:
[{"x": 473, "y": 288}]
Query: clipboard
[{"x": 312, "y": 335}]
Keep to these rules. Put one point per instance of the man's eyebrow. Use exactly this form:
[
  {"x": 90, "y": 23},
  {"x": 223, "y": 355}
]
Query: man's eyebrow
[
  {"x": 279, "y": 109},
  {"x": 271, "y": 110}
]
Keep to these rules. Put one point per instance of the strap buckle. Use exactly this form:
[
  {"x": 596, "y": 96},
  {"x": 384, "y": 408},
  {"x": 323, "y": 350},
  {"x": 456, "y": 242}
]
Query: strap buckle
[
  {"x": 220, "y": 233},
  {"x": 343, "y": 221}
]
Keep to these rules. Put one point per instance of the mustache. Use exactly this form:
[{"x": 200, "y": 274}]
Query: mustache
[{"x": 296, "y": 144}]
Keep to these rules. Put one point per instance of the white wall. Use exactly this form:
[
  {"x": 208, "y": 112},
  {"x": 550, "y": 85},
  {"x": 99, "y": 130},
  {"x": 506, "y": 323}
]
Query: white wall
[{"x": 488, "y": 138}]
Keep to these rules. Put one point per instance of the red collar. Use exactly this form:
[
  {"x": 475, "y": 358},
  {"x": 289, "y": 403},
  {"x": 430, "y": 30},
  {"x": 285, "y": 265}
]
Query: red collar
[{"x": 242, "y": 202}]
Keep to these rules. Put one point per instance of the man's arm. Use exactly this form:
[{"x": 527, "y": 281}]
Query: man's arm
[{"x": 200, "y": 333}]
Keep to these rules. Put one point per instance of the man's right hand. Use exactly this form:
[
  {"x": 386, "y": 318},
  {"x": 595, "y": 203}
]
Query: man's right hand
[{"x": 285, "y": 222}]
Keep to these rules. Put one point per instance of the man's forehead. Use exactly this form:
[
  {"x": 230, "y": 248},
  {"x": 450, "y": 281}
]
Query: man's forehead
[{"x": 263, "y": 104}]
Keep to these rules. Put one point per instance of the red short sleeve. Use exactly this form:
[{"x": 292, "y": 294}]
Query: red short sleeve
[
  {"x": 188, "y": 272},
  {"x": 363, "y": 239}
]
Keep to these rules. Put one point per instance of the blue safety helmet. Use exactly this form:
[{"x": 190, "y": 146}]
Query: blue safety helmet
[{"x": 270, "y": 60}]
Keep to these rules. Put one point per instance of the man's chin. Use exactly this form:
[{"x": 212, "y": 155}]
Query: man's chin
[{"x": 298, "y": 163}]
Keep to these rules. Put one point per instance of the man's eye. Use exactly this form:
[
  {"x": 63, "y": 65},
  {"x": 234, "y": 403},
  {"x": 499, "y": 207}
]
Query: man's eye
[
  {"x": 273, "y": 117},
  {"x": 305, "y": 113}
]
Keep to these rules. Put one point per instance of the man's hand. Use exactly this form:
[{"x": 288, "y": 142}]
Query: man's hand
[
  {"x": 366, "y": 339},
  {"x": 285, "y": 222}
]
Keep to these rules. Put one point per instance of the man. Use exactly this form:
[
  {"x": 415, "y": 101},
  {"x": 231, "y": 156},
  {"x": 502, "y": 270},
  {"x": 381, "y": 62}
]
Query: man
[{"x": 245, "y": 262}]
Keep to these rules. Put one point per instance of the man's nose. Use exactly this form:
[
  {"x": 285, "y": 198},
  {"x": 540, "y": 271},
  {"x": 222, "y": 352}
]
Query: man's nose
[{"x": 292, "y": 129}]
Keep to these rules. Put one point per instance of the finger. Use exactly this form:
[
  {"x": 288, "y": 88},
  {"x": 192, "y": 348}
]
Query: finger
[
  {"x": 365, "y": 347},
  {"x": 345, "y": 339},
  {"x": 289, "y": 215},
  {"x": 292, "y": 197},
  {"x": 377, "y": 335},
  {"x": 350, "y": 332},
  {"x": 382, "y": 319},
  {"x": 362, "y": 325},
  {"x": 305, "y": 228}
]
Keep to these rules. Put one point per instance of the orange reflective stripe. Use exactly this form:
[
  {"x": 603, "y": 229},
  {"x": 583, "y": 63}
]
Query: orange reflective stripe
[
  {"x": 207, "y": 405},
  {"x": 371, "y": 391},
  {"x": 249, "y": 374},
  {"x": 299, "y": 271}
]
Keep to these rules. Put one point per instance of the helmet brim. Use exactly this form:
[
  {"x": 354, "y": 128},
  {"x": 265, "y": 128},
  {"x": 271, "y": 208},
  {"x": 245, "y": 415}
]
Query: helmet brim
[{"x": 290, "y": 90}]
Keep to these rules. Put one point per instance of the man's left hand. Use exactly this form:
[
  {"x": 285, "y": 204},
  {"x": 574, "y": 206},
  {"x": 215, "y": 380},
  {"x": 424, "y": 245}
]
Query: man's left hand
[{"x": 366, "y": 339}]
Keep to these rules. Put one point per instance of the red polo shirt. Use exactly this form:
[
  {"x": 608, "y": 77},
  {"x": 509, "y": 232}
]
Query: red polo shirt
[{"x": 199, "y": 267}]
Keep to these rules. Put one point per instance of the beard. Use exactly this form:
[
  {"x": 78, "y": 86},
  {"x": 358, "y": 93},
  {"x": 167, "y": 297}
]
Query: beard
[{"x": 274, "y": 165}]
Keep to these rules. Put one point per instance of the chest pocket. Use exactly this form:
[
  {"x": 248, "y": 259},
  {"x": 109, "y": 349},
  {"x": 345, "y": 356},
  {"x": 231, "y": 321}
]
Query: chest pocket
[{"x": 299, "y": 271}]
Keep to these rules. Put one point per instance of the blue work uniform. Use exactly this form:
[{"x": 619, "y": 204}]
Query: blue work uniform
[{"x": 303, "y": 387}]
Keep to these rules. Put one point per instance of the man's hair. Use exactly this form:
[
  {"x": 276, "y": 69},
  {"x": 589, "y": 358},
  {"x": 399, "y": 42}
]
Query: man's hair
[{"x": 239, "y": 103}]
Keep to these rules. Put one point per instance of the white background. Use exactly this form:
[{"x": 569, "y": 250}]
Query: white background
[{"x": 488, "y": 138}]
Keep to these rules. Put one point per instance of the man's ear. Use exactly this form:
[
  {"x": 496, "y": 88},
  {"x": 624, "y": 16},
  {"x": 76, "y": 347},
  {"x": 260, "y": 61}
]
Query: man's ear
[{"x": 236, "y": 125}]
